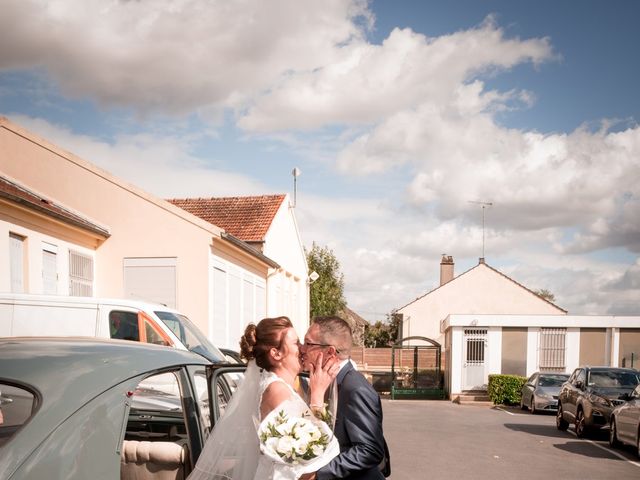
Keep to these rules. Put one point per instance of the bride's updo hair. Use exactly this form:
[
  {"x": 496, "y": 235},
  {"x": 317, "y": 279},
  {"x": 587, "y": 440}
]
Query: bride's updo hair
[{"x": 259, "y": 339}]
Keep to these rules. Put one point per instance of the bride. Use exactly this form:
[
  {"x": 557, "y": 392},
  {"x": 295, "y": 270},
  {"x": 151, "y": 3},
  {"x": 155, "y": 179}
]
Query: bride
[{"x": 232, "y": 451}]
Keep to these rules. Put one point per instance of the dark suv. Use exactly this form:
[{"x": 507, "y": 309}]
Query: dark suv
[{"x": 590, "y": 394}]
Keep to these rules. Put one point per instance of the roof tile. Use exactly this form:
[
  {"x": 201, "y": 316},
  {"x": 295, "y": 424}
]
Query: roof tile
[{"x": 247, "y": 218}]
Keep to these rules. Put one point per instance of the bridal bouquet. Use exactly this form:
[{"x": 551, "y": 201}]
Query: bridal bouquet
[
  {"x": 293, "y": 440},
  {"x": 296, "y": 442}
]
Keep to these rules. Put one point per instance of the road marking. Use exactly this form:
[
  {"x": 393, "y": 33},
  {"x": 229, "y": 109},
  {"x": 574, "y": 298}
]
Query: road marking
[
  {"x": 606, "y": 449},
  {"x": 505, "y": 411}
]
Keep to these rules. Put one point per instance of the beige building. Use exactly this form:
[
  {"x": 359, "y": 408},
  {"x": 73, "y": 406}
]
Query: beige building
[
  {"x": 487, "y": 323},
  {"x": 69, "y": 227},
  {"x": 480, "y": 290}
]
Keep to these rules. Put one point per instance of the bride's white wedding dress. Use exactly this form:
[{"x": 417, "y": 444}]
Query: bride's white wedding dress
[{"x": 232, "y": 451}]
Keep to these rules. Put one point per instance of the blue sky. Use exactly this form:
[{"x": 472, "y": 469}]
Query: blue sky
[{"x": 398, "y": 113}]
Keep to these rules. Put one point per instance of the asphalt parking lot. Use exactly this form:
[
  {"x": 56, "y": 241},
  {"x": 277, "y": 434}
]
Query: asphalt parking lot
[{"x": 441, "y": 440}]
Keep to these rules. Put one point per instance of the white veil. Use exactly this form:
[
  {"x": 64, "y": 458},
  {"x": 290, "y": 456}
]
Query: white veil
[{"x": 232, "y": 449}]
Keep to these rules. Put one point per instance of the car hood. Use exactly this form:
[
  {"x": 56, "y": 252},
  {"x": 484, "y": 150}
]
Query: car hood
[{"x": 611, "y": 393}]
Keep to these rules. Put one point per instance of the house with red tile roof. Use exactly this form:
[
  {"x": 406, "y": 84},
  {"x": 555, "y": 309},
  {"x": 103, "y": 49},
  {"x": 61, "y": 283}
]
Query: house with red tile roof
[
  {"x": 267, "y": 223},
  {"x": 69, "y": 227}
]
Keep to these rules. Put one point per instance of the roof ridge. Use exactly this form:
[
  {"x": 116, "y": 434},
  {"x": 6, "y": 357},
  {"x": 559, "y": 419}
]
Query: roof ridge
[{"x": 493, "y": 269}]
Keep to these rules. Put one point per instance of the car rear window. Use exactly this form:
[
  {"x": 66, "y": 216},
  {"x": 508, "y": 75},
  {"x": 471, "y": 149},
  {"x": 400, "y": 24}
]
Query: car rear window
[{"x": 17, "y": 406}]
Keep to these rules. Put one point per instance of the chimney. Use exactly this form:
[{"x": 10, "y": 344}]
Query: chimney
[{"x": 446, "y": 269}]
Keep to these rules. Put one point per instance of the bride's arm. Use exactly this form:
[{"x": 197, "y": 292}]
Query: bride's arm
[{"x": 274, "y": 395}]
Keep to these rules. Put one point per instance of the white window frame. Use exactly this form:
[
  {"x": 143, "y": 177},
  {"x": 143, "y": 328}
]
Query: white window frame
[
  {"x": 81, "y": 274},
  {"x": 17, "y": 270},
  {"x": 552, "y": 349}
]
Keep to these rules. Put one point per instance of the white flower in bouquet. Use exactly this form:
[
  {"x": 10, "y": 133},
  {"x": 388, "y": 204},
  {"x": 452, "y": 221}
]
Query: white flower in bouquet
[{"x": 294, "y": 440}]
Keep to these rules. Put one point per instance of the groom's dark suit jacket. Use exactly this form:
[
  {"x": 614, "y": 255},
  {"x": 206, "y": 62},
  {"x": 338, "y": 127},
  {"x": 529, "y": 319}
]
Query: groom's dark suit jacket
[{"x": 358, "y": 429}]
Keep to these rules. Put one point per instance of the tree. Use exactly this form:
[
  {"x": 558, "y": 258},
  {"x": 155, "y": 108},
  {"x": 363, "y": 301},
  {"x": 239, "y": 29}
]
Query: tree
[
  {"x": 383, "y": 334},
  {"x": 546, "y": 294},
  {"x": 327, "y": 291}
]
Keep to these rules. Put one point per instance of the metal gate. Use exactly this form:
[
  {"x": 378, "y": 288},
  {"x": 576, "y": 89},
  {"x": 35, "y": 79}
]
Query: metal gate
[{"x": 475, "y": 349}]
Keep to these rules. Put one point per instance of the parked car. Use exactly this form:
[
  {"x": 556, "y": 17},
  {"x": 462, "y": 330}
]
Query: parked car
[
  {"x": 24, "y": 315},
  {"x": 590, "y": 395},
  {"x": 540, "y": 393},
  {"x": 232, "y": 356},
  {"x": 90, "y": 408},
  {"x": 624, "y": 426}
]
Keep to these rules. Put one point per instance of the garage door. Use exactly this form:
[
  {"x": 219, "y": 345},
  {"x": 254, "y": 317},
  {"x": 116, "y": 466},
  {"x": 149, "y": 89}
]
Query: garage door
[{"x": 151, "y": 280}]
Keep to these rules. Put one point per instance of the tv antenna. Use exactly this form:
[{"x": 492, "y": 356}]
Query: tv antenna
[
  {"x": 296, "y": 173},
  {"x": 483, "y": 205}
]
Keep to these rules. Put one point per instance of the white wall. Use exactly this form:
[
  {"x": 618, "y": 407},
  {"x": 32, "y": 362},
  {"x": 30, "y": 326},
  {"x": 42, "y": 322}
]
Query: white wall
[
  {"x": 480, "y": 290},
  {"x": 33, "y": 246},
  {"x": 288, "y": 292},
  {"x": 238, "y": 298},
  {"x": 456, "y": 324}
]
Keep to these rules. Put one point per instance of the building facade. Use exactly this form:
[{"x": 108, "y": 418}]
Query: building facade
[
  {"x": 480, "y": 345},
  {"x": 69, "y": 227}
]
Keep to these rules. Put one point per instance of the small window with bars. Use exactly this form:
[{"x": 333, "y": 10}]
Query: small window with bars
[
  {"x": 552, "y": 349},
  {"x": 475, "y": 340},
  {"x": 80, "y": 274}
]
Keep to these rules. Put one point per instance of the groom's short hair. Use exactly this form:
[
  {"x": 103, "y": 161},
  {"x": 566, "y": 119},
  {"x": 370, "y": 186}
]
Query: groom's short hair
[{"x": 337, "y": 332}]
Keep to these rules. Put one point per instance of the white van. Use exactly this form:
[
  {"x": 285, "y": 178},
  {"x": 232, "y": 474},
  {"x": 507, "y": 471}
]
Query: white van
[{"x": 25, "y": 315}]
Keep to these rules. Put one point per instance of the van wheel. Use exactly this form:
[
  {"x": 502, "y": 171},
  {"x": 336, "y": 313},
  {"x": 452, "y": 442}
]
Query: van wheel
[{"x": 561, "y": 423}]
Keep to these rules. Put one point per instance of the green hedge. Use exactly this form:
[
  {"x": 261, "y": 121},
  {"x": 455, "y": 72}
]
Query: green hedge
[{"x": 505, "y": 389}]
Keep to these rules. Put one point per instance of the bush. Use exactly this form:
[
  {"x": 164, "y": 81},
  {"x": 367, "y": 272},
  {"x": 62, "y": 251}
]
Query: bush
[{"x": 505, "y": 389}]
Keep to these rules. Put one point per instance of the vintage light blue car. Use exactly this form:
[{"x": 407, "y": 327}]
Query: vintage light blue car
[{"x": 85, "y": 408}]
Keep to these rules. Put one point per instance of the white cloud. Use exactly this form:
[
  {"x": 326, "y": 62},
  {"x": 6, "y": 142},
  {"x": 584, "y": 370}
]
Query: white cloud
[
  {"x": 367, "y": 82},
  {"x": 160, "y": 164},
  {"x": 173, "y": 56},
  {"x": 413, "y": 106}
]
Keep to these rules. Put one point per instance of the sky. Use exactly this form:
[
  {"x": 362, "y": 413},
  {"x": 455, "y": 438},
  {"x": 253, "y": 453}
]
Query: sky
[{"x": 401, "y": 115}]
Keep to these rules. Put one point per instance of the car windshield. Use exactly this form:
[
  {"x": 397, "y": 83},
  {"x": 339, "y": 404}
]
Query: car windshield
[
  {"x": 613, "y": 379},
  {"x": 190, "y": 336},
  {"x": 552, "y": 380}
]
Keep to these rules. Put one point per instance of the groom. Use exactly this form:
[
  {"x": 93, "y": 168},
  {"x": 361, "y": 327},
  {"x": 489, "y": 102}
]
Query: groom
[{"x": 358, "y": 428}]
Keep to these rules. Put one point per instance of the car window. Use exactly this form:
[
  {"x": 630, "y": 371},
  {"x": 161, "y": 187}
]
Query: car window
[
  {"x": 124, "y": 325},
  {"x": 580, "y": 377},
  {"x": 156, "y": 412},
  {"x": 612, "y": 379},
  {"x": 17, "y": 405},
  {"x": 202, "y": 393},
  {"x": 159, "y": 392},
  {"x": 551, "y": 380},
  {"x": 190, "y": 335}
]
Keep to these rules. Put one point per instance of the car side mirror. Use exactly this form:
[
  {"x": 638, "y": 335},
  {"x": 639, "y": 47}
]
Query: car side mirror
[
  {"x": 626, "y": 397},
  {"x": 580, "y": 384}
]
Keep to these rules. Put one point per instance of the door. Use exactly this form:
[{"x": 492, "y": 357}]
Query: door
[
  {"x": 222, "y": 382},
  {"x": 474, "y": 365}
]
